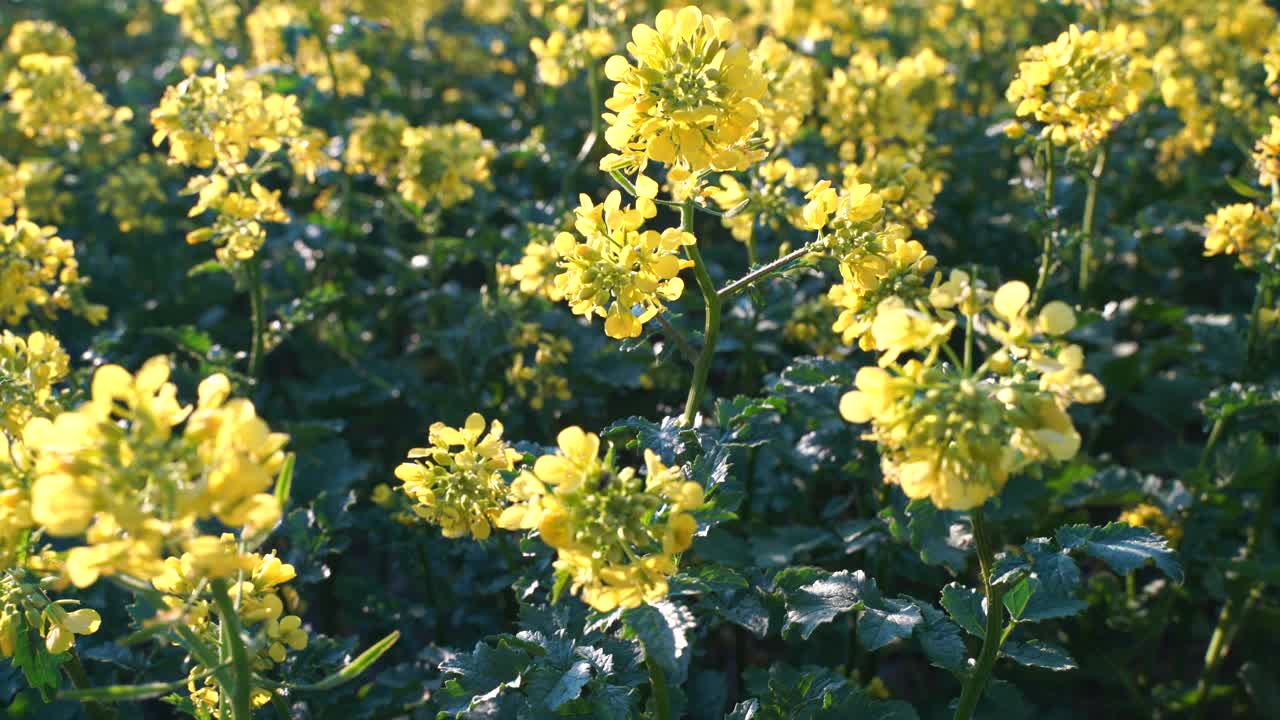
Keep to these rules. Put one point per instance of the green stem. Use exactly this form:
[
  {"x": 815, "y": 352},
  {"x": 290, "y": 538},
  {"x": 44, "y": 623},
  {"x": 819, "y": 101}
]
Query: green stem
[
  {"x": 1086, "y": 228},
  {"x": 241, "y": 678},
  {"x": 702, "y": 367},
  {"x": 1046, "y": 246},
  {"x": 80, "y": 681},
  {"x": 1255, "y": 322},
  {"x": 256, "y": 302},
  {"x": 753, "y": 258},
  {"x": 759, "y": 273},
  {"x": 993, "y": 638},
  {"x": 658, "y": 684},
  {"x": 1234, "y": 610}
]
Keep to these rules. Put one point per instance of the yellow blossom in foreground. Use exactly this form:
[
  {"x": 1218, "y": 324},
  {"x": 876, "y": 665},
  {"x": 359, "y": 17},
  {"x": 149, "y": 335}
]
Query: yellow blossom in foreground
[
  {"x": 616, "y": 536},
  {"x": 955, "y": 436},
  {"x": 119, "y": 473},
  {"x": 457, "y": 481},
  {"x": 618, "y": 271},
  {"x": 691, "y": 100}
]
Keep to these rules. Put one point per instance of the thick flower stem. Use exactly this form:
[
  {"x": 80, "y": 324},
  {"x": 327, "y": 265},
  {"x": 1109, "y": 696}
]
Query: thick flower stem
[
  {"x": 702, "y": 367},
  {"x": 658, "y": 685},
  {"x": 994, "y": 637},
  {"x": 1255, "y": 322},
  {"x": 762, "y": 272},
  {"x": 1046, "y": 246},
  {"x": 1086, "y": 227},
  {"x": 242, "y": 685}
]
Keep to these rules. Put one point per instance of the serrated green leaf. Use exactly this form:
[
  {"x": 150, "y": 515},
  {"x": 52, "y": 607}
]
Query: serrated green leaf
[
  {"x": 940, "y": 638},
  {"x": 1122, "y": 547},
  {"x": 938, "y": 535},
  {"x": 896, "y": 620},
  {"x": 662, "y": 629},
  {"x": 966, "y": 607},
  {"x": 822, "y": 600},
  {"x": 1016, "y": 598},
  {"x": 1036, "y": 653},
  {"x": 570, "y": 685}
]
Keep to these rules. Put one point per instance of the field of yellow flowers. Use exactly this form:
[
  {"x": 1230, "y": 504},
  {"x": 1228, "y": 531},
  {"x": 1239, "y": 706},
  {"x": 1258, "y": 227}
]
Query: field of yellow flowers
[{"x": 531, "y": 359}]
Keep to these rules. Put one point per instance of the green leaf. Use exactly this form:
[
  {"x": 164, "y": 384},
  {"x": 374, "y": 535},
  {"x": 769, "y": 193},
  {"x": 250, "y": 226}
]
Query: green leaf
[
  {"x": 896, "y": 620},
  {"x": 37, "y": 665},
  {"x": 938, "y": 535},
  {"x": 1246, "y": 189},
  {"x": 570, "y": 685},
  {"x": 351, "y": 670},
  {"x": 1122, "y": 547},
  {"x": 1036, "y": 653},
  {"x": 821, "y": 601},
  {"x": 940, "y": 638},
  {"x": 284, "y": 482},
  {"x": 662, "y": 629},
  {"x": 1057, "y": 579},
  {"x": 206, "y": 268},
  {"x": 1016, "y": 599},
  {"x": 967, "y": 607}
]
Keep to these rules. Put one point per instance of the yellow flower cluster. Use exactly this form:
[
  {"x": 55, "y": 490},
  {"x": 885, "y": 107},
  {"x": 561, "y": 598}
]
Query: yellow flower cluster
[
  {"x": 237, "y": 229},
  {"x": 205, "y": 21},
  {"x": 25, "y": 606},
  {"x": 29, "y": 368},
  {"x": 541, "y": 378},
  {"x": 457, "y": 482},
  {"x": 878, "y": 260},
  {"x": 443, "y": 163},
  {"x": 51, "y": 101},
  {"x": 221, "y": 119},
  {"x": 1150, "y": 516},
  {"x": 535, "y": 274},
  {"x": 569, "y": 46},
  {"x": 901, "y": 179},
  {"x": 256, "y": 594},
  {"x": 616, "y": 535},
  {"x": 38, "y": 271},
  {"x": 690, "y": 101},
  {"x": 436, "y": 163},
  {"x": 772, "y": 198},
  {"x": 1247, "y": 231},
  {"x": 843, "y": 23},
  {"x": 954, "y": 435},
  {"x": 869, "y": 103},
  {"x": 1266, "y": 154},
  {"x": 129, "y": 190},
  {"x": 1080, "y": 86},
  {"x": 1206, "y": 48},
  {"x": 268, "y": 26},
  {"x": 116, "y": 472},
  {"x": 790, "y": 79},
  {"x": 617, "y": 271}
]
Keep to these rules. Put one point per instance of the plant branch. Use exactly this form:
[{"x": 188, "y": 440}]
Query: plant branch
[{"x": 702, "y": 367}]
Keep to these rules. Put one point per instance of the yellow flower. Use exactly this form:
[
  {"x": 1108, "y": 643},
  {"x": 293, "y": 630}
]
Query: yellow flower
[
  {"x": 457, "y": 482},
  {"x": 616, "y": 537},
  {"x": 39, "y": 271},
  {"x": 442, "y": 163},
  {"x": 691, "y": 100},
  {"x": 618, "y": 271},
  {"x": 1083, "y": 84},
  {"x": 1246, "y": 231}
]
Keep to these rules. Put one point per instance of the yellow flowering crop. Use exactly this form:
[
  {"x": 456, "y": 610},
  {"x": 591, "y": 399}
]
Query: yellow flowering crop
[
  {"x": 39, "y": 272},
  {"x": 543, "y": 378},
  {"x": 691, "y": 100},
  {"x": 1080, "y": 86},
  {"x": 772, "y": 197},
  {"x": 443, "y": 163},
  {"x": 870, "y": 103},
  {"x": 1245, "y": 230},
  {"x": 955, "y": 437},
  {"x": 117, "y": 471},
  {"x": 457, "y": 481},
  {"x": 616, "y": 535},
  {"x": 29, "y": 368},
  {"x": 618, "y": 271},
  {"x": 52, "y": 102}
]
